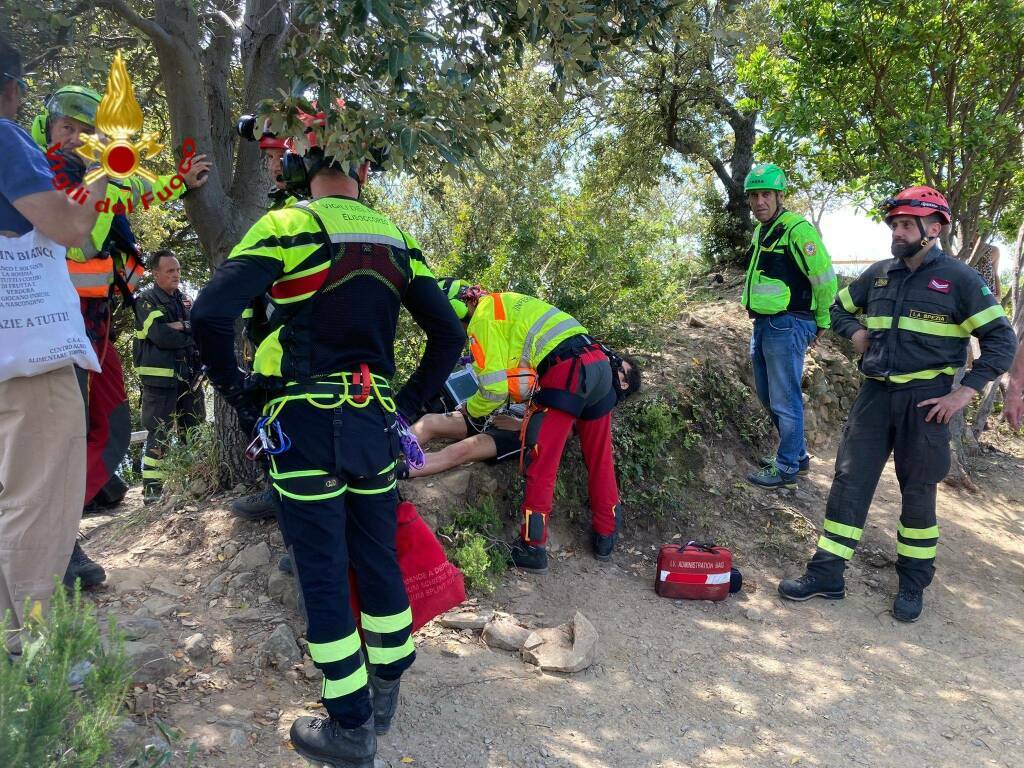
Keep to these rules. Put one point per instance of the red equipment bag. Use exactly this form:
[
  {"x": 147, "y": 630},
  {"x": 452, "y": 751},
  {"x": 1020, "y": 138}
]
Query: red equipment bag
[
  {"x": 693, "y": 571},
  {"x": 433, "y": 584}
]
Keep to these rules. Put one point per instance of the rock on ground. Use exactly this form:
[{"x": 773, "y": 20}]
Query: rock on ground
[{"x": 568, "y": 648}]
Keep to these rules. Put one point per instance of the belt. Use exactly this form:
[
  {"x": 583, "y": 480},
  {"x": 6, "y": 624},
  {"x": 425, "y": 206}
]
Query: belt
[
  {"x": 356, "y": 388},
  {"x": 571, "y": 348}
]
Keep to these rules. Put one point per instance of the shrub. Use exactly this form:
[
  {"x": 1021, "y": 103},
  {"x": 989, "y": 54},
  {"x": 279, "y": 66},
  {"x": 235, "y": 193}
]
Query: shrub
[
  {"x": 476, "y": 545},
  {"x": 59, "y": 702}
]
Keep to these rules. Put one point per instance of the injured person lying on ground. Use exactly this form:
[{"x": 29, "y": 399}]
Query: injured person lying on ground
[{"x": 500, "y": 439}]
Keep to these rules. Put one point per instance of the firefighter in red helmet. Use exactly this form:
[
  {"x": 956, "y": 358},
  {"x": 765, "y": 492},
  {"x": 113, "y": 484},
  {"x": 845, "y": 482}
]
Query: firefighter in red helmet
[{"x": 910, "y": 318}]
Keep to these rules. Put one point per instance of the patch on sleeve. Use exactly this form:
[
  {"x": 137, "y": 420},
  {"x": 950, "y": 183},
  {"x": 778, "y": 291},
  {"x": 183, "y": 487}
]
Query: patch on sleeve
[
  {"x": 810, "y": 248},
  {"x": 881, "y": 282},
  {"x": 940, "y": 285},
  {"x": 986, "y": 291}
]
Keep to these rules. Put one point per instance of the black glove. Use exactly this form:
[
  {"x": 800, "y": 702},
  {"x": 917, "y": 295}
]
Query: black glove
[{"x": 246, "y": 401}]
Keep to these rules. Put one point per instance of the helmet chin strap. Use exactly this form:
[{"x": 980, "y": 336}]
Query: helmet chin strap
[{"x": 924, "y": 235}]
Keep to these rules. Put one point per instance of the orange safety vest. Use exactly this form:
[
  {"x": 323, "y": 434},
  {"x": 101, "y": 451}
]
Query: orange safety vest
[{"x": 92, "y": 278}]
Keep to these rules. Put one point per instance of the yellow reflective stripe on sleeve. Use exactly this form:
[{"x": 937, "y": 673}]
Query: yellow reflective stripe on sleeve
[
  {"x": 377, "y": 655},
  {"x": 335, "y": 689},
  {"x": 846, "y": 531},
  {"x": 932, "y": 328},
  {"x": 150, "y": 319},
  {"x": 878, "y": 322},
  {"x": 918, "y": 533},
  {"x": 420, "y": 269},
  {"x": 836, "y": 549},
  {"x": 325, "y": 653},
  {"x": 987, "y": 315},
  {"x": 847, "y": 301},
  {"x": 247, "y": 313},
  {"x": 918, "y": 553},
  {"x": 382, "y": 624},
  {"x": 146, "y": 370}
]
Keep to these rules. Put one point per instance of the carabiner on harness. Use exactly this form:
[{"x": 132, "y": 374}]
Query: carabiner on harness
[
  {"x": 270, "y": 439},
  {"x": 410, "y": 445}
]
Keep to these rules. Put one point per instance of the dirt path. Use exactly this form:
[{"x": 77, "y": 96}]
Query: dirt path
[{"x": 748, "y": 682}]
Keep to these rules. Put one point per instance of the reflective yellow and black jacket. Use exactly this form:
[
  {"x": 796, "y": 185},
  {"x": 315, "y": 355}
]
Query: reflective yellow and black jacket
[
  {"x": 789, "y": 270},
  {"x": 163, "y": 356},
  {"x": 509, "y": 333},
  {"x": 328, "y": 318},
  {"x": 920, "y": 322}
]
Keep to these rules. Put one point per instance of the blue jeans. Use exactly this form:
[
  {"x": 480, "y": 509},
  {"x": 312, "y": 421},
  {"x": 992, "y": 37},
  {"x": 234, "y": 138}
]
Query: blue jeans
[{"x": 777, "y": 349}]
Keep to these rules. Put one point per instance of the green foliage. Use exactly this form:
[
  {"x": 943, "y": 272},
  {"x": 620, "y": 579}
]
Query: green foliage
[
  {"x": 476, "y": 545},
  {"x": 719, "y": 403},
  {"x": 191, "y": 466},
  {"x": 422, "y": 77},
  {"x": 59, "y": 702},
  {"x": 881, "y": 96},
  {"x": 655, "y": 454}
]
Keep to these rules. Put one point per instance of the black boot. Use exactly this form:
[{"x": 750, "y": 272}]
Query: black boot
[
  {"x": 385, "y": 702},
  {"x": 526, "y": 557},
  {"x": 812, "y": 585},
  {"x": 908, "y": 603},
  {"x": 256, "y": 506},
  {"x": 81, "y": 567},
  {"x": 325, "y": 742},
  {"x": 108, "y": 497},
  {"x": 603, "y": 546}
]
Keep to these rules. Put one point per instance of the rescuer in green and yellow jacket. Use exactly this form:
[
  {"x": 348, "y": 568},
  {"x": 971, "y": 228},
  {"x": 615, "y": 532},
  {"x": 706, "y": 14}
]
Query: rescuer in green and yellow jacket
[{"x": 788, "y": 290}]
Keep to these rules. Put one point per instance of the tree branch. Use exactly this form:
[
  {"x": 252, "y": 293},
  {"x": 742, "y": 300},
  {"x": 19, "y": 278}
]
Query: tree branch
[{"x": 129, "y": 14}]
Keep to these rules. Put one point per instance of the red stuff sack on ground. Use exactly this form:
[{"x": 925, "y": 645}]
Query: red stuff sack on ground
[
  {"x": 693, "y": 572},
  {"x": 433, "y": 584}
]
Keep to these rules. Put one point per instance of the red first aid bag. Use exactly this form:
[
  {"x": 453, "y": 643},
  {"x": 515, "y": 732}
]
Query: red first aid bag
[
  {"x": 693, "y": 571},
  {"x": 433, "y": 584}
]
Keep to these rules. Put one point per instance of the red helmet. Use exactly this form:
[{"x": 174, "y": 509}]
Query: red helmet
[
  {"x": 270, "y": 140},
  {"x": 917, "y": 201}
]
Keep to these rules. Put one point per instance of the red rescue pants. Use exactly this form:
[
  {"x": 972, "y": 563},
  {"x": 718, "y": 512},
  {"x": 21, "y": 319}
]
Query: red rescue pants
[
  {"x": 544, "y": 458},
  {"x": 109, "y": 425}
]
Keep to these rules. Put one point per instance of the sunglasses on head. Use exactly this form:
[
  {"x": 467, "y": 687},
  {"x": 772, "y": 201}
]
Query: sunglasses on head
[{"x": 22, "y": 85}]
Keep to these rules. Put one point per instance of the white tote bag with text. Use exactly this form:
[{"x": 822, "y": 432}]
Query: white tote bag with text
[{"x": 41, "y": 326}]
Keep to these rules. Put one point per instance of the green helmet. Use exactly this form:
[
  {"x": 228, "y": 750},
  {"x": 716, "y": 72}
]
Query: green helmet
[
  {"x": 765, "y": 176},
  {"x": 74, "y": 101},
  {"x": 451, "y": 286}
]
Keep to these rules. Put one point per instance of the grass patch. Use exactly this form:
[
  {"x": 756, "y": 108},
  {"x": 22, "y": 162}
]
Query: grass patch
[
  {"x": 476, "y": 546},
  {"x": 191, "y": 466}
]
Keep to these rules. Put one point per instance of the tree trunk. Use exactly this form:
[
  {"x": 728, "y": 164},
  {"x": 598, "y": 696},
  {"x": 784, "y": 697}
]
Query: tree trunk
[
  {"x": 959, "y": 476},
  {"x": 988, "y": 401}
]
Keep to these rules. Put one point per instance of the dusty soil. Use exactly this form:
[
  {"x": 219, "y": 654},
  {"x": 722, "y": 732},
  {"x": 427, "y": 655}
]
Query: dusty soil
[{"x": 747, "y": 682}]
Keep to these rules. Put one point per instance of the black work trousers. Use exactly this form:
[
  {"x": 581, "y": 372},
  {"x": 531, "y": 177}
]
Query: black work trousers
[
  {"x": 885, "y": 420},
  {"x": 338, "y": 507},
  {"x": 163, "y": 410}
]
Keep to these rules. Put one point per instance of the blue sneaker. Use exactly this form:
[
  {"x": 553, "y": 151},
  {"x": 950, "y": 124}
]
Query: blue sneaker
[
  {"x": 804, "y": 464},
  {"x": 772, "y": 477}
]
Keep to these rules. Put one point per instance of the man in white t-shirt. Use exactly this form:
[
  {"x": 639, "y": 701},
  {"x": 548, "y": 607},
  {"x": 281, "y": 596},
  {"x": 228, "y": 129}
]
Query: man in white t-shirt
[{"x": 42, "y": 421}]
